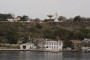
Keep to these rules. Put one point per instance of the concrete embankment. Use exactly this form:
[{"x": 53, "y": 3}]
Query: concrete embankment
[
  {"x": 28, "y": 50},
  {"x": 38, "y": 50},
  {"x": 18, "y": 50}
]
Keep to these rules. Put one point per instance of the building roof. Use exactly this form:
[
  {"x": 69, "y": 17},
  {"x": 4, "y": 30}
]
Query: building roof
[
  {"x": 52, "y": 41},
  {"x": 26, "y": 43}
]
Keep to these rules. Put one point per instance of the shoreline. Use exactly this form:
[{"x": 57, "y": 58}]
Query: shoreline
[
  {"x": 35, "y": 50},
  {"x": 18, "y": 50}
]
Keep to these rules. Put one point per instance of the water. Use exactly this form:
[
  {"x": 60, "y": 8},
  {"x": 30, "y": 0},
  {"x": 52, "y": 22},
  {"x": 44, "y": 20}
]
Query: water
[{"x": 34, "y": 55}]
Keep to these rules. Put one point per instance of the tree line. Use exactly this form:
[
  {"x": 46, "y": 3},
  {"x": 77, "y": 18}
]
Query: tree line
[{"x": 4, "y": 17}]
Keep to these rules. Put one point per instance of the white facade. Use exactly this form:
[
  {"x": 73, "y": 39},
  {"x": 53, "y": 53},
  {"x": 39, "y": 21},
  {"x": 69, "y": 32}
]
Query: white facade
[
  {"x": 27, "y": 46},
  {"x": 53, "y": 45},
  {"x": 14, "y": 19},
  {"x": 10, "y": 20},
  {"x": 56, "y": 18},
  {"x": 17, "y": 19}
]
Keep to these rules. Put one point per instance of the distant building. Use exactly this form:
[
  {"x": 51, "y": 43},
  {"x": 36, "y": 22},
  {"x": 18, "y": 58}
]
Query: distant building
[
  {"x": 14, "y": 19},
  {"x": 53, "y": 45},
  {"x": 17, "y": 18},
  {"x": 56, "y": 18},
  {"x": 27, "y": 46},
  {"x": 10, "y": 19}
]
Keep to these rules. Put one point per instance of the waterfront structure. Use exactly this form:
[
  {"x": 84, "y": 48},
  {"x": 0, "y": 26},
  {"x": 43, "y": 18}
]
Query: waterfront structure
[
  {"x": 53, "y": 45},
  {"x": 27, "y": 46},
  {"x": 44, "y": 44}
]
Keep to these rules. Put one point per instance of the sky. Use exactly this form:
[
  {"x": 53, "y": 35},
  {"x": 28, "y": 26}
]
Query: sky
[{"x": 41, "y": 8}]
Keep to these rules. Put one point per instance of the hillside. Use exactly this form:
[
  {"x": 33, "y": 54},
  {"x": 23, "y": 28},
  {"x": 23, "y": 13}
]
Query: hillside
[{"x": 12, "y": 32}]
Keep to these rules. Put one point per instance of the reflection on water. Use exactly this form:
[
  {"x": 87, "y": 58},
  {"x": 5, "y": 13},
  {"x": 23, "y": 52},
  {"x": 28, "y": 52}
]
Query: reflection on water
[
  {"x": 34, "y": 55},
  {"x": 75, "y": 56},
  {"x": 29, "y": 55}
]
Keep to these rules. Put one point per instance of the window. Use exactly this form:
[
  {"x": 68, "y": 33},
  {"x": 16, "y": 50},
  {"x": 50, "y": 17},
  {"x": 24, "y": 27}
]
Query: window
[
  {"x": 52, "y": 43},
  {"x": 30, "y": 47},
  {"x": 54, "y": 47},
  {"x": 46, "y": 46},
  {"x": 24, "y": 47}
]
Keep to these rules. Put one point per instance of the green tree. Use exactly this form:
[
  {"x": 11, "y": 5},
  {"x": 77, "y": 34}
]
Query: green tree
[
  {"x": 24, "y": 18},
  {"x": 4, "y": 17},
  {"x": 68, "y": 43},
  {"x": 62, "y": 18},
  {"x": 12, "y": 37},
  {"x": 38, "y": 26},
  {"x": 77, "y": 18},
  {"x": 37, "y": 20}
]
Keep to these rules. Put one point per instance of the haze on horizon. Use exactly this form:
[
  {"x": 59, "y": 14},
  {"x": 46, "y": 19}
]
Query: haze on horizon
[{"x": 40, "y": 8}]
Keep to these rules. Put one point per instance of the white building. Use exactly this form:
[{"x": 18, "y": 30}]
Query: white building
[
  {"x": 53, "y": 45},
  {"x": 10, "y": 20},
  {"x": 27, "y": 46},
  {"x": 56, "y": 18},
  {"x": 17, "y": 18},
  {"x": 14, "y": 19}
]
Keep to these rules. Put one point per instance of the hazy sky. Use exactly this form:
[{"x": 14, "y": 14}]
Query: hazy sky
[{"x": 40, "y": 8}]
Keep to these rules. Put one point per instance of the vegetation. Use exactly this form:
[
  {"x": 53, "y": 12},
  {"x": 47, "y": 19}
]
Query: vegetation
[
  {"x": 24, "y": 18},
  {"x": 14, "y": 32},
  {"x": 68, "y": 43},
  {"x": 3, "y": 17}
]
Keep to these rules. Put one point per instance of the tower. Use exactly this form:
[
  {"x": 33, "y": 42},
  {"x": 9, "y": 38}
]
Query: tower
[
  {"x": 56, "y": 17},
  {"x": 50, "y": 16}
]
